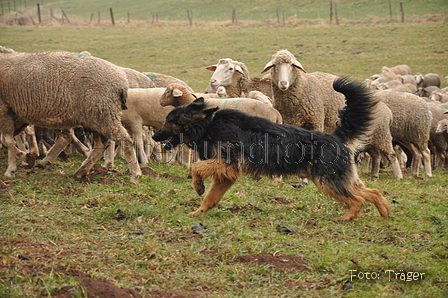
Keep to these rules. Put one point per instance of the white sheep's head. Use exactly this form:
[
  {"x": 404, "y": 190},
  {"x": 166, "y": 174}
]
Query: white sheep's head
[
  {"x": 226, "y": 72},
  {"x": 284, "y": 68},
  {"x": 442, "y": 126}
]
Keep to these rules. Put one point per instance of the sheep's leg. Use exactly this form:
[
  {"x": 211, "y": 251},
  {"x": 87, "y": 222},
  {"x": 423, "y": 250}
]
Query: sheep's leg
[
  {"x": 78, "y": 144},
  {"x": 109, "y": 155},
  {"x": 395, "y": 165},
  {"x": 427, "y": 163},
  {"x": 12, "y": 154},
  {"x": 184, "y": 156},
  {"x": 416, "y": 160},
  {"x": 33, "y": 148},
  {"x": 64, "y": 138},
  {"x": 98, "y": 149},
  {"x": 365, "y": 163},
  {"x": 375, "y": 167},
  {"x": 138, "y": 140}
]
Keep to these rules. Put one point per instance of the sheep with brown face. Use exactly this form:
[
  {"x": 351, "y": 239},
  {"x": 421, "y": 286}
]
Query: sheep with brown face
[{"x": 63, "y": 90}]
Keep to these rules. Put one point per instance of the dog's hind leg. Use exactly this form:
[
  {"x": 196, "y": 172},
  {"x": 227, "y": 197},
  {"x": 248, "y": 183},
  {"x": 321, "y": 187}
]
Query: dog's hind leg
[{"x": 373, "y": 196}]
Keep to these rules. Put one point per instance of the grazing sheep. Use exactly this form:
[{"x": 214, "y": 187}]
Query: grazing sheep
[
  {"x": 163, "y": 80},
  {"x": 175, "y": 95},
  {"x": 235, "y": 77},
  {"x": 306, "y": 100},
  {"x": 254, "y": 94},
  {"x": 402, "y": 69},
  {"x": 430, "y": 79},
  {"x": 411, "y": 126},
  {"x": 439, "y": 96},
  {"x": 62, "y": 90}
]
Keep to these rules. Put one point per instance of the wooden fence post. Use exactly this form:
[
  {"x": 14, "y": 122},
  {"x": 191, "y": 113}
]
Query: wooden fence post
[
  {"x": 38, "y": 13},
  {"x": 234, "y": 20},
  {"x": 331, "y": 11},
  {"x": 336, "y": 14},
  {"x": 99, "y": 17},
  {"x": 65, "y": 16},
  {"x": 402, "y": 12},
  {"x": 112, "y": 17},
  {"x": 91, "y": 18},
  {"x": 129, "y": 17},
  {"x": 190, "y": 17},
  {"x": 390, "y": 10}
]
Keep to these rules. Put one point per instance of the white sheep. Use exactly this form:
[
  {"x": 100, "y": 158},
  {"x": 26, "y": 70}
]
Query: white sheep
[
  {"x": 137, "y": 79},
  {"x": 62, "y": 90},
  {"x": 411, "y": 126},
  {"x": 254, "y": 94},
  {"x": 306, "y": 100},
  {"x": 235, "y": 77},
  {"x": 406, "y": 79}
]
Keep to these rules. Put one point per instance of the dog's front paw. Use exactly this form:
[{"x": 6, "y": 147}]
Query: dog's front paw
[{"x": 196, "y": 213}]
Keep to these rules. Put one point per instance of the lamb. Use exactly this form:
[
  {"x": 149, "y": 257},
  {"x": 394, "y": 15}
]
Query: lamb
[
  {"x": 162, "y": 80},
  {"x": 143, "y": 109},
  {"x": 175, "y": 95},
  {"x": 61, "y": 90},
  {"x": 411, "y": 126},
  {"x": 408, "y": 88},
  {"x": 430, "y": 79},
  {"x": 402, "y": 69},
  {"x": 306, "y": 100},
  {"x": 235, "y": 77}
]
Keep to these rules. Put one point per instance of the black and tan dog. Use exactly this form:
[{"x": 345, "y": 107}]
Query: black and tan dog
[{"x": 231, "y": 143}]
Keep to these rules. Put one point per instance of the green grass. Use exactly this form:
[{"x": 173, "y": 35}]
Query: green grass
[{"x": 60, "y": 225}]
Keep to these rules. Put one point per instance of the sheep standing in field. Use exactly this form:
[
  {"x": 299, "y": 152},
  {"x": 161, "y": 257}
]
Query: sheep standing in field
[
  {"x": 176, "y": 95},
  {"x": 406, "y": 79},
  {"x": 235, "y": 77},
  {"x": 411, "y": 126},
  {"x": 430, "y": 79},
  {"x": 62, "y": 90},
  {"x": 306, "y": 100}
]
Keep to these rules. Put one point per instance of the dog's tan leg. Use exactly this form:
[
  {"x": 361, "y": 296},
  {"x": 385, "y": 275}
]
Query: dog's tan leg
[
  {"x": 216, "y": 192},
  {"x": 354, "y": 204},
  {"x": 224, "y": 176},
  {"x": 373, "y": 196}
]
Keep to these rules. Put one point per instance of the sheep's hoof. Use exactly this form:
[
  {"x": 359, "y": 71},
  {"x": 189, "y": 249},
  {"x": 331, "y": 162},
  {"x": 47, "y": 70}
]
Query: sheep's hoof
[{"x": 135, "y": 178}]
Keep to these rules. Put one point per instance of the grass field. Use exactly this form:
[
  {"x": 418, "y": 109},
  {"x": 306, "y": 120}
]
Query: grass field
[{"x": 63, "y": 238}]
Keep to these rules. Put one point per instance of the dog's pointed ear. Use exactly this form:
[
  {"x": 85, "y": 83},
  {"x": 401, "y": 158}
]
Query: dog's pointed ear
[
  {"x": 210, "y": 111},
  {"x": 197, "y": 104}
]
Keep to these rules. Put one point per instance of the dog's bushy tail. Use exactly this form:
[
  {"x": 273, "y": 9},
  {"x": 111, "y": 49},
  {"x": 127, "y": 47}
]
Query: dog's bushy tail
[{"x": 356, "y": 118}]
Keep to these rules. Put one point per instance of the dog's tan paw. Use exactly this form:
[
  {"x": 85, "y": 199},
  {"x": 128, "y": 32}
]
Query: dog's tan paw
[{"x": 196, "y": 213}]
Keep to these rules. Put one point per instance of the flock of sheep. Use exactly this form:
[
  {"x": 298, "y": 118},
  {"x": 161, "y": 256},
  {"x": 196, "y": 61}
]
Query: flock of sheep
[{"x": 50, "y": 100}]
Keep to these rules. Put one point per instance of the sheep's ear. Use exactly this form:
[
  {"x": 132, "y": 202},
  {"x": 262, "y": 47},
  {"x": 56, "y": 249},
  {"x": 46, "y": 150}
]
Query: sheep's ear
[
  {"x": 239, "y": 69},
  {"x": 211, "y": 67},
  {"x": 177, "y": 92},
  {"x": 297, "y": 64},
  {"x": 268, "y": 66}
]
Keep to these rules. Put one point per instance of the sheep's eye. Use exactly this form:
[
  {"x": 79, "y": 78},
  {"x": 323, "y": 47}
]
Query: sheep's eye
[{"x": 231, "y": 68}]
